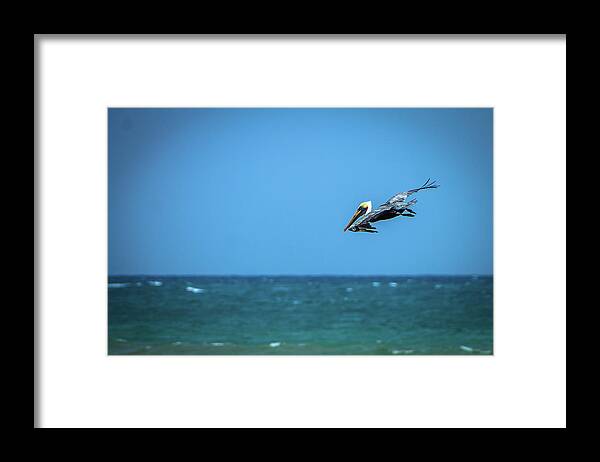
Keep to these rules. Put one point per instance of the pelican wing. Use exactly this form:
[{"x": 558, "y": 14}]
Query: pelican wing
[{"x": 400, "y": 198}]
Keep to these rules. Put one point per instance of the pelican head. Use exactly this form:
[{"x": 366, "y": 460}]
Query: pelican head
[{"x": 363, "y": 209}]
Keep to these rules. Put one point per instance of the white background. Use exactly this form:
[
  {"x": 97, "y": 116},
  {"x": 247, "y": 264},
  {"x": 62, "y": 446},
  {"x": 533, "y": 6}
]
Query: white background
[{"x": 523, "y": 384}]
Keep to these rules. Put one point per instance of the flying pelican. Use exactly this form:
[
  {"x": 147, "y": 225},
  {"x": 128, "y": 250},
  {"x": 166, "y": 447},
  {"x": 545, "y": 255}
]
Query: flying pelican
[{"x": 395, "y": 206}]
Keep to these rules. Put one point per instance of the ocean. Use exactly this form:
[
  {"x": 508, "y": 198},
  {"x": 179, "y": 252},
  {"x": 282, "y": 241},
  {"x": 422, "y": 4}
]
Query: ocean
[{"x": 312, "y": 315}]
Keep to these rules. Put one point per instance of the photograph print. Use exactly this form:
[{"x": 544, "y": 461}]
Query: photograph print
[{"x": 300, "y": 231}]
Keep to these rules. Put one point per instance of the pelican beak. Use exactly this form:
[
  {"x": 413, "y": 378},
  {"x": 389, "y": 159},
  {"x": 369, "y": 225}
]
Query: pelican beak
[{"x": 358, "y": 213}]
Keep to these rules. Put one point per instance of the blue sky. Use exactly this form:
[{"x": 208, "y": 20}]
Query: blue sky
[{"x": 268, "y": 191}]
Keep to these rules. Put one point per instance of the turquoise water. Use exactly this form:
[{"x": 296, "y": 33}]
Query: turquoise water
[{"x": 157, "y": 315}]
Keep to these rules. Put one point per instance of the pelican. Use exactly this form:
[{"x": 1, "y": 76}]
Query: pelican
[{"x": 394, "y": 207}]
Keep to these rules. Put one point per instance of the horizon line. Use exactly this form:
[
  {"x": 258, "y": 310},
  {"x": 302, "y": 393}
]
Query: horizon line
[{"x": 302, "y": 275}]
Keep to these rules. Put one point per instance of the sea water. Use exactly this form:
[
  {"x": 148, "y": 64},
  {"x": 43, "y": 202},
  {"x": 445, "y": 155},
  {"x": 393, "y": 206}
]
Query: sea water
[{"x": 375, "y": 315}]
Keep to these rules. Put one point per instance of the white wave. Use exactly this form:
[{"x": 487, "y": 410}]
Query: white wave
[
  {"x": 466, "y": 348},
  {"x": 176, "y": 343},
  {"x": 402, "y": 352},
  {"x": 155, "y": 283},
  {"x": 274, "y": 344},
  {"x": 194, "y": 290},
  {"x": 121, "y": 340},
  {"x": 393, "y": 284},
  {"x": 117, "y": 285},
  {"x": 217, "y": 344},
  {"x": 376, "y": 284}
]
